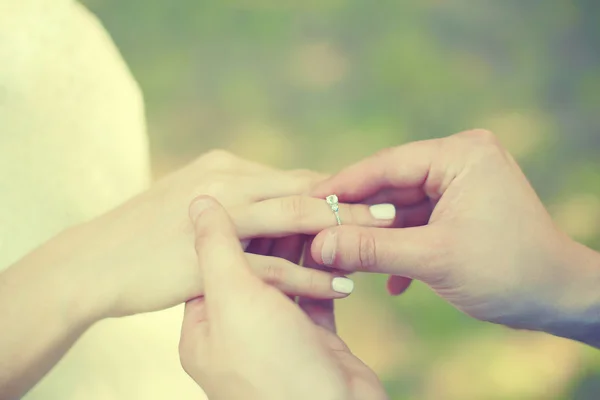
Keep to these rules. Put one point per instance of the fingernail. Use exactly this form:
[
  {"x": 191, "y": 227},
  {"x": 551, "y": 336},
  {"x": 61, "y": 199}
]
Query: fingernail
[
  {"x": 328, "y": 249},
  {"x": 383, "y": 211},
  {"x": 342, "y": 285},
  {"x": 198, "y": 207},
  {"x": 245, "y": 243}
]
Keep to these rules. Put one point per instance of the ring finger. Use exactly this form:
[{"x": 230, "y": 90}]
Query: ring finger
[{"x": 306, "y": 215}]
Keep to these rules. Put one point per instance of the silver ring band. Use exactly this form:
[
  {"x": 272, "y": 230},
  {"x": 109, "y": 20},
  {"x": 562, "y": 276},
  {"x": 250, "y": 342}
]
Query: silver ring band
[{"x": 332, "y": 200}]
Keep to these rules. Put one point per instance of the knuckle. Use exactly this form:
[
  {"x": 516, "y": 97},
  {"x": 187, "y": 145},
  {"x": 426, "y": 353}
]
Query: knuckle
[
  {"x": 309, "y": 175},
  {"x": 479, "y": 135},
  {"x": 215, "y": 185},
  {"x": 295, "y": 207},
  {"x": 480, "y": 138},
  {"x": 350, "y": 216},
  {"x": 312, "y": 281},
  {"x": 367, "y": 252},
  {"x": 482, "y": 146},
  {"x": 273, "y": 273},
  {"x": 218, "y": 159},
  {"x": 306, "y": 179},
  {"x": 387, "y": 152},
  {"x": 303, "y": 172},
  {"x": 201, "y": 237}
]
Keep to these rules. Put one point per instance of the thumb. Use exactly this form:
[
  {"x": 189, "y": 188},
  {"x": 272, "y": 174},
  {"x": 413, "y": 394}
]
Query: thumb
[
  {"x": 221, "y": 259},
  {"x": 226, "y": 275},
  {"x": 417, "y": 252}
]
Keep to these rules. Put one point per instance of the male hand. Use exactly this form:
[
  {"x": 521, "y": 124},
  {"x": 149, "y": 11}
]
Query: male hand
[{"x": 472, "y": 228}]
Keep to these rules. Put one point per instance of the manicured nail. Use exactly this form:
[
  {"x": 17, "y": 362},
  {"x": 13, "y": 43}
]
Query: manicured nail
[
  {"x": 198, "y": 207},
  {"x": 383, "y": 211},
  {"x": 328, "y": 249},
  {"x": 342, "y": 285},
  {"x": 245, "y": 243}
]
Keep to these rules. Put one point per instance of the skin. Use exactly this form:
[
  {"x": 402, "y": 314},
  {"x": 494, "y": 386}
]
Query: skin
[
  {"x": 140, "y": 258},
  {"x": 290, "y": 355},
  {"x": 471, "y": 227}
]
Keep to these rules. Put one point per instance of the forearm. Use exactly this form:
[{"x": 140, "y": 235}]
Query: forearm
[
  {"x": 43, "y": 309},
  {"x": 578, "y": 317}
]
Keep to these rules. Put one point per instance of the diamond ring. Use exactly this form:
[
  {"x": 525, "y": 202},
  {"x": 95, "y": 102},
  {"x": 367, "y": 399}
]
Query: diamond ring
[{"x": 332, "y": 200}]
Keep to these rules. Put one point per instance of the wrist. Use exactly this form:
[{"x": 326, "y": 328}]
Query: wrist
[
  {"x": 577, "y": 314},
  {"x": 70, "y": 264}
]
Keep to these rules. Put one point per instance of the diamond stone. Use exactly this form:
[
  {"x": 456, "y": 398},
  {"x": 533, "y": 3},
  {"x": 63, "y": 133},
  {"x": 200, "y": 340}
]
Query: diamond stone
[{"x": 332, "y": 199}]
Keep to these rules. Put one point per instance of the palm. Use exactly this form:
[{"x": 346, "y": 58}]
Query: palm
[{"x": 361, "y": 381}]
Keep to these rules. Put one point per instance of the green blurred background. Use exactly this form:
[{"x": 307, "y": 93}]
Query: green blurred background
[{"x": 322, "y": 83}]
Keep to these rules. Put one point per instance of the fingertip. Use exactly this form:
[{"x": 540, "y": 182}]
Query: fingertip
[
  {"x": 220, "y": 255},
  {"x": 213, "y": 228},
  {"x": 209, "y": 217},
  {"x": 396, "y": 285},
  {"x": 342, "y": 285},
  {"x": 383, "y": 212},
  {"x": 199, "y": 205},
  {"x": 322, "y": 188}
]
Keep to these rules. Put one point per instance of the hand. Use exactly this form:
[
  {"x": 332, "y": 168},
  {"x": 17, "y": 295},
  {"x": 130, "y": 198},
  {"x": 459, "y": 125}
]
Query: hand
[
  {"x": 139, "y": 257},
  {"x": 488, "y": 245},
  {"x": 246, "y": 340}
]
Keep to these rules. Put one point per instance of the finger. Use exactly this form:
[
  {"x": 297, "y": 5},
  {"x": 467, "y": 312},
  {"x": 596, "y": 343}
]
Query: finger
[
  {"x": 289, "y": 248},
  {"x": 396, "y": 285},
  {"x": 223, "y": 160},
  {"x": 313, "y": 178},
  {"x": 413, "y": 207},
  {"x": 277, "y": 183},
  {"x": 225, "y": 269},
  {"x": 194, "y": 332},
  {"x": 302, "y": 214},
  {"x": 399, "y": 197},
  {"x": 419, "y": 253},
  {"x": 321, "y": 312},
  {"x": 403, "y": 167},
  {"x": 295, "y": 280}
]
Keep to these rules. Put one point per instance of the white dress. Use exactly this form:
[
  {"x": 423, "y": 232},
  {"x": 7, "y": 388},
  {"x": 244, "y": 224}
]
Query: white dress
[{"x": 72, "y": 146}]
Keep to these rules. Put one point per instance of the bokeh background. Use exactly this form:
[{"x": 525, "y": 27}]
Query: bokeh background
[{"x": 322, "y": 83}]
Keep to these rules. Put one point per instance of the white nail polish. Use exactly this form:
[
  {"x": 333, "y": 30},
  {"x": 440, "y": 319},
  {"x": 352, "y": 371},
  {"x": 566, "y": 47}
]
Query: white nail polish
[
  {"x": 342, "y": 285},
  {"x": 383, "y": 211}
]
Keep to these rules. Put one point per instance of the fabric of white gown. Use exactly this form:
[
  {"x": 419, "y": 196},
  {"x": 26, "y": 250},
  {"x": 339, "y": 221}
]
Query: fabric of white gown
[{"x": 73, "y": 145}]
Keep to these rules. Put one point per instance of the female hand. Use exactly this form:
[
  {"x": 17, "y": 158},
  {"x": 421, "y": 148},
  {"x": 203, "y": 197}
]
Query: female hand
[
  {"x": 245, "y": 340},
  {"x": 139, "y": 257},
  {"x": 488, "y": 245}
]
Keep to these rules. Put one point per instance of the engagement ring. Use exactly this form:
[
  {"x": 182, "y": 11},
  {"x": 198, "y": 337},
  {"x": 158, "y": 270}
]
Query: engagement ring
[{"x": 332, "y": 200}]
